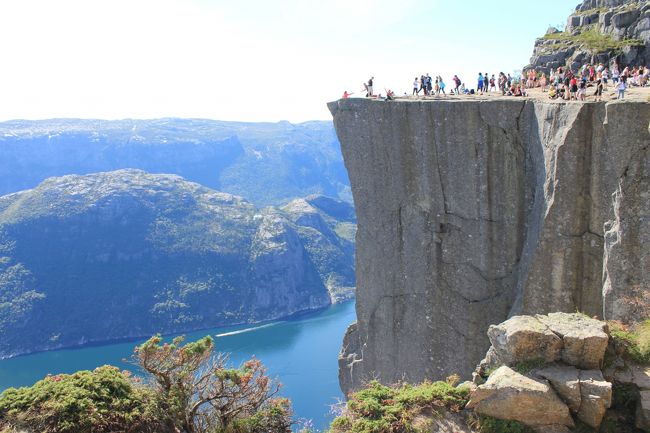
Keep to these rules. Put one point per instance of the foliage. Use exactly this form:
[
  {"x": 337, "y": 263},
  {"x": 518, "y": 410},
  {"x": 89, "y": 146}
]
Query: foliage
[
  {"x": 384, "y": 409},
  {"x": 191, "y": 391},
  {"x": 593, "y": 40},
  {"x": 100, "y": 401},
  {"x": 201, "y": 394},
  {"x": 524, "y": 367},
  {"x": 632, "y": 343},
  {"x": 487, "y": 424}
]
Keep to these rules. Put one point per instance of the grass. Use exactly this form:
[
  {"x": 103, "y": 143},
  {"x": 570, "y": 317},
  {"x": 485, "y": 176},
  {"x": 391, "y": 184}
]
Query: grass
[
  {"x": 525, "y": 367},
  {"x": 632, "y": 343},
  {"x": 592, "y": 40},
  {"x": 599, "y": 10},
  {"x": 392, "y": 409}
]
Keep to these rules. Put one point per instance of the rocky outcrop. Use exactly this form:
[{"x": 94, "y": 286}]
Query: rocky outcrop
[
  {"x": 473, "y": 211},
  {"x": 512, "y": 396},
  {"x": 619, "y": 31},
  {"x": 550, "y": 386}
]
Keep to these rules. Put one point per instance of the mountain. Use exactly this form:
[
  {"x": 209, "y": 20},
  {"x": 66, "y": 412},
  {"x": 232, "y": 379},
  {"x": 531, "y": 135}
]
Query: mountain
[
  {"x": 125, "y": 254},
  {"x": 268, "y": 163},
  {"x": 598, "y": 31}
]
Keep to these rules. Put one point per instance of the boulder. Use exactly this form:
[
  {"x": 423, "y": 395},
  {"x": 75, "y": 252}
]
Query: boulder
[
  {"x": 643, "y": 411},
  {"x": 584, "y": 339},
  {"x": 512, "y": 396},
  {"x": 596, "y": 397},
  {"x": 565, "y": 380},
  {"x": 524, "y": 338},
  {"x": 625, "y": 18}
]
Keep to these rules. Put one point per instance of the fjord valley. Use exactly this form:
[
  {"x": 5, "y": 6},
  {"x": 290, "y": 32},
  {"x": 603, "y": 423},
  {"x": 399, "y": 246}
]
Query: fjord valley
[
  {"x": 266, "y": 163},
  {"x": 128, "y": 254}
]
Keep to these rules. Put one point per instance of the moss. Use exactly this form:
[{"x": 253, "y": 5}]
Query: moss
[
  {"x": 384, "y": 409},
  {"x": 632, "y": 343},
  {"x": 524, "y": 367}
]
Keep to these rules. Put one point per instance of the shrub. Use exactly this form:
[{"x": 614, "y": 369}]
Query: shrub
[
  {"x": 202, "y": 394},
  {"x": 103, "y": 400},
  {"x": 384, "y": 409}
]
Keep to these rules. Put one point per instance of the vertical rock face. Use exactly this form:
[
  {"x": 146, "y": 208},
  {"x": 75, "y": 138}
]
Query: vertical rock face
[{"x": 469, "y": 211}]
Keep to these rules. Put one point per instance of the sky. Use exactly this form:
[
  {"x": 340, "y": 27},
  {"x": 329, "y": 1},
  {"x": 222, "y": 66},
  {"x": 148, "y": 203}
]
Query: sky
[{"x": 254, "y": 60}]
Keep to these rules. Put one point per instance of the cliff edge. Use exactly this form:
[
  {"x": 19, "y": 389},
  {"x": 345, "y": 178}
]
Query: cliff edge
[{"x": 470, "y": 211}]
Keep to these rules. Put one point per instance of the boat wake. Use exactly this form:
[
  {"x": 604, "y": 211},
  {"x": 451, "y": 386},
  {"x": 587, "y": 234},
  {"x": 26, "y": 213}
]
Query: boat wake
[{"x": 242, "y": 331}]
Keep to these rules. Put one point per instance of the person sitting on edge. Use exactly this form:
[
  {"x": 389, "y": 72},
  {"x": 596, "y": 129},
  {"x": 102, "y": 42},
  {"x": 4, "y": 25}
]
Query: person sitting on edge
[{"x": 552, "y": 93}]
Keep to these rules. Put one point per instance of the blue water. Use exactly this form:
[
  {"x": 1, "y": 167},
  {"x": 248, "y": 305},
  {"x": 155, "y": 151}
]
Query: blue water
[{"x": 301, "y": 353}]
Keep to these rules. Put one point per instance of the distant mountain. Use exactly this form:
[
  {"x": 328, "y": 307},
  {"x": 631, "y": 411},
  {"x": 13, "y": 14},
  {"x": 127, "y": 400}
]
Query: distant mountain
[
  {"x": 268, "y": 163},
  {"x": 126, "y": 254}
]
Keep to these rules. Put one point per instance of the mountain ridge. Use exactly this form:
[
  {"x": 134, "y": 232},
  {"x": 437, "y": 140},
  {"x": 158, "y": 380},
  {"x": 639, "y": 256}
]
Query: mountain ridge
[{"x": 287, "y": 160}]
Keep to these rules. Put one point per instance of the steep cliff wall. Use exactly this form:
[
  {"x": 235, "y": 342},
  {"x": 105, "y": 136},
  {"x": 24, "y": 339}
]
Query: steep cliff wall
[{"x": 470, "y": 211}]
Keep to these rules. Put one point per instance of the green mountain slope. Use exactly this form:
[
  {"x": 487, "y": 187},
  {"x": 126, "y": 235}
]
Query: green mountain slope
[{"x": 125, "y": 254}]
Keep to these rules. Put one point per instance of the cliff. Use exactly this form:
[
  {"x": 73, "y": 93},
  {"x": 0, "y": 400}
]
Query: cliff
[
  {"x": 470, "y": 211},
  {"x": 128, "y": 254},
  {"x": 598, "y": 31}
]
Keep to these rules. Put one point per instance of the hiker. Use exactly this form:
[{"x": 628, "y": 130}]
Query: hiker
[
  {"x": 457, "y": 83},
  {"x": 479, "y": 87},
  {"x": 370, "y": 82},
  {"x": 390, "y": 95},
  {"x": 582, "y": 91},
  {"x": 492, "y": 84},
  {"x": 551, "y": 92},
  {"x": 599, "y": 89},
  {"x": 621, "y": 89},
  {"x": 429, "y": 84},
  {"x": 346, "y": 95},
  {"x": 542, "y": 82},
  {"x": 605, "y": 76},
  {"x": 442, "y": 86},
  {"x": 573, "y": 88},
  {"x": 415, "y": 87}
]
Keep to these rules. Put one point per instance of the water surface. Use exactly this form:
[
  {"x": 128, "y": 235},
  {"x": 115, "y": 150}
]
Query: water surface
[{"x": 300, "y": 352}]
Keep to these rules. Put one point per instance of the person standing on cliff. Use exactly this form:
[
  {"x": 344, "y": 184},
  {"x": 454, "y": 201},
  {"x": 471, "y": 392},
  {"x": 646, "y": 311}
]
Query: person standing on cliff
[
  {"x": 621, "y": 89},
  {"x": 370, "y": 82},
  {"x": 457, "y": 82},
  {"x": 416, "y": 92},
  {"x": 479, "y": 86}
]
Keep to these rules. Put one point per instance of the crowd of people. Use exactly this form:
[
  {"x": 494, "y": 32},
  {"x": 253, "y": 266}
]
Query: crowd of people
[
  {"x": 566, "y": 84},
  {"x": 562, "y": 83}
]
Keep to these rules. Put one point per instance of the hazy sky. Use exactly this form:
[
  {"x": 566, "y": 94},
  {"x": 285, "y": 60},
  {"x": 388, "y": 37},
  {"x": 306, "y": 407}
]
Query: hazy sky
[{"x": 255, "y": 60}]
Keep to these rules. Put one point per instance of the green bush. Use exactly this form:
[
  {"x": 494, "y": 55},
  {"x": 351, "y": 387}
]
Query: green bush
[
  {"x": 632, "y": 343},
  {"x": 383, "y": 409},
  {"x": 98, "y": 401}
]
